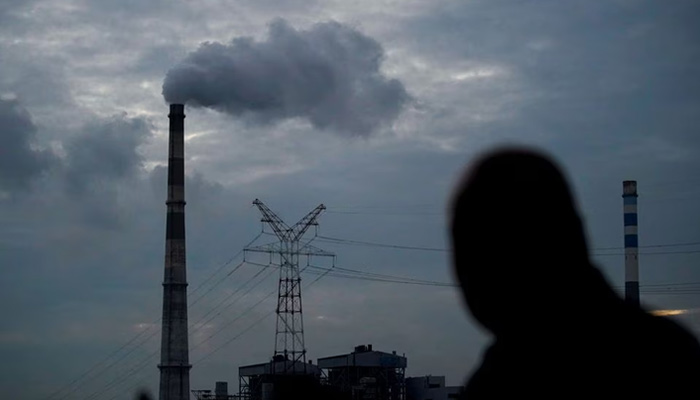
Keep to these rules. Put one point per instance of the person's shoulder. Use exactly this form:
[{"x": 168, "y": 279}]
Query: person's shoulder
[
  {"x": 484, "y": 379},
  {"x": 503, "y": 366},
  {"x": 671, "y": 355},
  {"x": 663, "y": 328},
  {"x": 671, "y": 344}
]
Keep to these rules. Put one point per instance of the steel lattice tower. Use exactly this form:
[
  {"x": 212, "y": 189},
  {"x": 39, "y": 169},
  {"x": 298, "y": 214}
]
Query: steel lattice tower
[{"x": 289, "y": 336}]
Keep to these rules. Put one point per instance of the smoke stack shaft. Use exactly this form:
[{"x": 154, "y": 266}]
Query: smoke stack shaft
[
  {"x": 629, "y": 197},
  {"x": 174, "y": 354}
]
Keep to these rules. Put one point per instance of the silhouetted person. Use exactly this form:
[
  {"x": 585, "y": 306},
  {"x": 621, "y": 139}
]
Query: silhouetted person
[{"x": 560, "y": 331}]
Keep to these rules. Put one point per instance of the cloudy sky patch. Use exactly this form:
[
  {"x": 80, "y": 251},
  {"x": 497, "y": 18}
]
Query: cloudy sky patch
[{"x": 372, "y": 108}]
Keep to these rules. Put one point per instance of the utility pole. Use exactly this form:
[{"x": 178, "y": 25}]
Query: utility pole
[{"x": 289, "y": 334}]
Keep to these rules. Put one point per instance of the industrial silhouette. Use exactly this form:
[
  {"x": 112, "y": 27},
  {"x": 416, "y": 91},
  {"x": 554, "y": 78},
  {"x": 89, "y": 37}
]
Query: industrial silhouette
[
  {"x": 629, "y": 208},
  {"x": 287, "y": 372},
  {"x": 557, "y": 324},
  {"x": 559, "y": 328},
  {"x": 364, "y": 373},
  {"x": 289, "y": 335},
  {"x": 174, "y": 354}
]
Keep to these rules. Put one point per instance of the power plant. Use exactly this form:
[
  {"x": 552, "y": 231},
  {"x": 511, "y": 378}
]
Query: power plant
[
  {"x": 290, "y": 349},
  {"x": 362, "y": 374},
  {"x": 174, "y": 353},
  {"x": 220, "y": 393},
  {"x": 365, "y": 373},
  {"x": 287, "y": 372}
]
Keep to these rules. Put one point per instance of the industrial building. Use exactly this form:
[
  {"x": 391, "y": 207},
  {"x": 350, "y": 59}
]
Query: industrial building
[
  {"x": 430, "y": 388},
  {"x": 363, "y": 374},
  {"x": 268, "y": 380},
  {"x": 220, "y": 393},
  {"x": 366, "y": 374}
]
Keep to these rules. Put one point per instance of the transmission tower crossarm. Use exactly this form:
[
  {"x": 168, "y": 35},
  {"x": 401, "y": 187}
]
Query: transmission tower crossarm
[
  {"x": 298, "y": 230},
  {"x": 278, "y": 226},
  {"x": 289, "y": 331}
]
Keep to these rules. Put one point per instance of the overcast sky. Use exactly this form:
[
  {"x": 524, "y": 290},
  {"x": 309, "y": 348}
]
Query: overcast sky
[{"x": 372, "y": 107}]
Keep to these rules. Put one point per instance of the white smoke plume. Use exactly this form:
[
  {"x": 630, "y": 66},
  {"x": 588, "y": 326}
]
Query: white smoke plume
[{"x": 329, "y": 74}]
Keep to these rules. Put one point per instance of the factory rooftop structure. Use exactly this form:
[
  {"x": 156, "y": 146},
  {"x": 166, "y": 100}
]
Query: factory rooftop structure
[
  {"x": 431, "y": 388},
  {"x": 363, "y": 356},
  {"x": 220, "y": 393},
  {"x": 366, "y": 374},
  {"x": 280, "y": 366},
  {"x": 260, "y": 381}
]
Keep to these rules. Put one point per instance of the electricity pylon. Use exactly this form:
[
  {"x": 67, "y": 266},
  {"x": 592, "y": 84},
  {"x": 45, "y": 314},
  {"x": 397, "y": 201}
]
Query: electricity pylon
[{"x": 289, "y": 335}]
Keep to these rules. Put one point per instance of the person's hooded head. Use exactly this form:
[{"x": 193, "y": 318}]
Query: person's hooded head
[{"x": 519, "y": 250}]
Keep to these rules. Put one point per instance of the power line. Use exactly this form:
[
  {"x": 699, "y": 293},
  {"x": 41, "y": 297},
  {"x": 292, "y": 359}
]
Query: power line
[
  {"x": 347, "y": 274},
  {"x": 230, "y": 260},
  {"x": 333, "y": 240},
  {"x": 224, "y": 300},
  {"x": 122, "y": 347},
  {"x": 674, "y": 284},
  {"x": 669, "y": 293},
  {"x": 132, "y": 387},
  {"x": 100, "y": 373},
  {"x": 125, "y": 377},
  {"x": 664, "y": 288},
  {"x": 241, "y": 333},
  {"x": 252, "y": 307},
  {"x": 387, "y": 213},
  {"x": 653, "y": 253},
  {"x": 387, "y": 278},
  {"x": 143, "y": 364},
  {"x": 372, "y": 274},
  {"x": 235, "y": 300},
  {"x": 254, "y": 323},
  {"x": 340, "y": 272},
  {"x": 649, "y": 246},
  {"x": 328, "y": 239},
  {"x": 97, "y": 365},
  {"x": 120, "y": 379}
]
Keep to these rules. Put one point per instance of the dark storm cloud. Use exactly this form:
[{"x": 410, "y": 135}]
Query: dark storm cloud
[
  {"x": 586, "y": 73},
  {"x": 9, "y": 8},
  {"x": 609, "y": 87},
  {"x": 329, "y": 74},
  {"x": 611, "y": 70},
  {"x": 158, "y": 59},
  {"x": 105, "y": 151},
  {"x": 20, "y": 162}
]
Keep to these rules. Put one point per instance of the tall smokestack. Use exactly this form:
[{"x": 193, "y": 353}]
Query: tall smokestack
[
  {"x": 174, "y": 354},
  {"x": 629, "y": 198}
]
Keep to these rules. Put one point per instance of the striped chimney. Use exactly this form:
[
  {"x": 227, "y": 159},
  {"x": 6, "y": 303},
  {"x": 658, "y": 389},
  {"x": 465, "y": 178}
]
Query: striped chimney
[
  {"x": 174, "y": 353},
  {"x": 629, "y": 199}
]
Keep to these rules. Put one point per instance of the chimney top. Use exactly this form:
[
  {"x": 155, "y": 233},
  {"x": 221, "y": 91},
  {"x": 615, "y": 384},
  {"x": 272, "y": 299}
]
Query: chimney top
[
  {"x": 629, "y": 188},
  {"x": 177, "y": 109}
]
